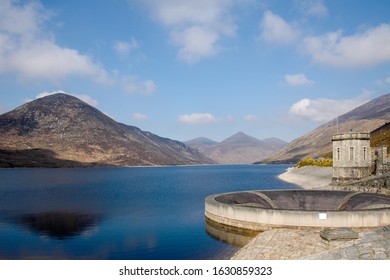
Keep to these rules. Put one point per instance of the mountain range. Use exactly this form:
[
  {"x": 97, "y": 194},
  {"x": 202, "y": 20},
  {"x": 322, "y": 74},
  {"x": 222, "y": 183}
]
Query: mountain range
[
  {"x": 318, "y": 143},
  {"x": 239, "y": 148},
  {"x": 62, "y": 131}
]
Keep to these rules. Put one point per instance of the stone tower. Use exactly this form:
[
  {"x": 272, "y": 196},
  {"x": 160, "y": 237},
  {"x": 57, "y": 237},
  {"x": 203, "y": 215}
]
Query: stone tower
[{"x": 351, "y": 156}]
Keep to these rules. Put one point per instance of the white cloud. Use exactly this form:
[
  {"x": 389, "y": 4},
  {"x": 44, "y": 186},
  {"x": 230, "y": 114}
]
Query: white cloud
[
  {"x": 134, "y": 85},
  {"x": 297, "y": 79},
  {"x": 124, "y": 48},
  {"x": 139, "y": 117},
  {"x": 275, "y": 29},
  {"x": 251, "y": 118},
  {"x": 46, "y": 60},
  {"x": 230, "y": 118},
  {"x": 383, "y": 82},
  {"x": 196, "y": 42},
  {"x": 323, "y": 109},
  {"x": 174, "y": 12},
  {"x": 86, "y": 98},
  {"x": 196, "y": 26},
  {"x": 28, "y": 50},
  {"x": 22, "y": 20},
  {"x": 313, "y": 8},
  {"x": 367, "y": 48},
  {"x": 197, "y": 118}
]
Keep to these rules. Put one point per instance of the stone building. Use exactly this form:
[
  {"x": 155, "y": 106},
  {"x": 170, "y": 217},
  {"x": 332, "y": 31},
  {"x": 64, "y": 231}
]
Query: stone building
[{"x": 351, "y": 156}]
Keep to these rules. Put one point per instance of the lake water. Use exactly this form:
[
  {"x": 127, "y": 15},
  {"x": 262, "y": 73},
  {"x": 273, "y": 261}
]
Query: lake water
[{"x": 119, "y": 213}]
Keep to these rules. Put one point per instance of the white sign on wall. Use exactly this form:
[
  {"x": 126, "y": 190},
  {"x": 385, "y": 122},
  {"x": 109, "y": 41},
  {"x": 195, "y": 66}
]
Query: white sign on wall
[{"x": 323, "y": 216}]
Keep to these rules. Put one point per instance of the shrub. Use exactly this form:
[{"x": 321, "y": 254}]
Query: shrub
[{"x": 324, "y": 162}]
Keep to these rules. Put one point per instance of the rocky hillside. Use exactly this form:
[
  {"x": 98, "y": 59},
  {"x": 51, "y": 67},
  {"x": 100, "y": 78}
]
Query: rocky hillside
[
  {"x": 237, "y": 149},
  {"x": 61, "y": 130},
  {"x": 318, "y": 142}
]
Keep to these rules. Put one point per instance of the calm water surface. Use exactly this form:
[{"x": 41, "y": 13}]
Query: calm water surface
[{"x": 119, "y": 213}]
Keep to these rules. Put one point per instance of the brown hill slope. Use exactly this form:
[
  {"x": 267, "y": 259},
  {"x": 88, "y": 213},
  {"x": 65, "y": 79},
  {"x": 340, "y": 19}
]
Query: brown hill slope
[
  {"x": 61, "y": 130},
  {"x": 318, "y": 142}
]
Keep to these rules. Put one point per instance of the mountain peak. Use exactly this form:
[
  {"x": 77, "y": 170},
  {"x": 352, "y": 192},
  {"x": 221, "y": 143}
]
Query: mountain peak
[
  {"x": 56, "y": 113},
  {"x": 200, "y": 141},
  {"x": 54, "y": 102},
  {"x": 240, "y": 138},
  {"x": 67, "y": 131},
  {"x": 57, "y": 99}
]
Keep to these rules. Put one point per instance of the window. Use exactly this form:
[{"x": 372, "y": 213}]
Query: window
[
  {"x": 338, "y": 154},
  {"x": 364, "y": 153},
  {"x": 350, "y": 153}
]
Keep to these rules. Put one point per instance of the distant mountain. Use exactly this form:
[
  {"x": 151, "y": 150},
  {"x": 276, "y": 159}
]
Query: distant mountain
[
  {"x": 318, "y": 142},
  {"x": 274, "y": 143},
  {"x": 241, "y": 139},
  {"x": 237, "y": 149},
  {"x": 200, "y": 141},
  {"x": 61, "y": 130}
]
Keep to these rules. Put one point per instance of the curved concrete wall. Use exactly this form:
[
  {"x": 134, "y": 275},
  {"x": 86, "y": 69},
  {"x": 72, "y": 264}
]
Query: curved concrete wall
[{"x": 259, "y": 219}]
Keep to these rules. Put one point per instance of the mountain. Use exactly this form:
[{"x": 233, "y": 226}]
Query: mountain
[
  {"x": 241, "y": 139},
  {"x": 274, "y": 143},
  {"x": 318, "y": 142},
  {"x": 238, "y": 148},
  {"x": 61, "y": 130},
  {"x": 200, "y": 141}
]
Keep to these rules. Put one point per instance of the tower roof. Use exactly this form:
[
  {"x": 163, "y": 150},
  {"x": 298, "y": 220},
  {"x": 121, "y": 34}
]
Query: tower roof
[{"x": 351, "y": 136}]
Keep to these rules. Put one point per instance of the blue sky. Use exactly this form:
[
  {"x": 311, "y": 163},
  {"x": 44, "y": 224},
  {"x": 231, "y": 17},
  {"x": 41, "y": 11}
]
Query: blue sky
[{"x": 188, "y": 68}]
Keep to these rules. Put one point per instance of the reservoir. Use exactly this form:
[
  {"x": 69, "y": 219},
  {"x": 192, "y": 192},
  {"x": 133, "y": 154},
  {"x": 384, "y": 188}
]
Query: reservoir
[{"x": 141, "y": 213}]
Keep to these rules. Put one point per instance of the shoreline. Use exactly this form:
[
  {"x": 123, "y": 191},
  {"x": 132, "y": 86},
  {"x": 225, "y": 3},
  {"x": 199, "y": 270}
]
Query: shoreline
[{"x": 308, "y": 177}]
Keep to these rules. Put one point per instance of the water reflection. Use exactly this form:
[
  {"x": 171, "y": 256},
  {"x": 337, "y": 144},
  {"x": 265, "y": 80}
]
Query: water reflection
[
  {"x": 59, "y": 224},
  {"x": 149, "y": 213},
  {"x": 232, "y": 235}
]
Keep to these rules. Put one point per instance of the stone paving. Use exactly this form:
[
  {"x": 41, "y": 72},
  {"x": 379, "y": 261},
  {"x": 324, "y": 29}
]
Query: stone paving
[
  {"x": 293, "y": 244},
  {"x": 371, "y": 245}
]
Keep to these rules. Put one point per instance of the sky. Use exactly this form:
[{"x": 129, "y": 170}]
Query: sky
[{"x": 199, "y": 68}]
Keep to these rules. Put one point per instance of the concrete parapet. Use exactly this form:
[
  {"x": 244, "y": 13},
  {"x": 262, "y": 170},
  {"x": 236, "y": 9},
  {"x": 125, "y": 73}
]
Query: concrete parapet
[{"x": 259, "y": 218}]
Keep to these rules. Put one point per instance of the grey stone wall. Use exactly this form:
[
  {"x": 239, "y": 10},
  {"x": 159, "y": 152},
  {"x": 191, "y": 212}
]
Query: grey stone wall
[
  {"x": 377, "y": 184},
  {"x": 381, "y": 161}
]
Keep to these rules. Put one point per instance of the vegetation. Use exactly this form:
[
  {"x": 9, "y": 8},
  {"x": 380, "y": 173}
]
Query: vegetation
[{"x": 323, "y": 162}]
